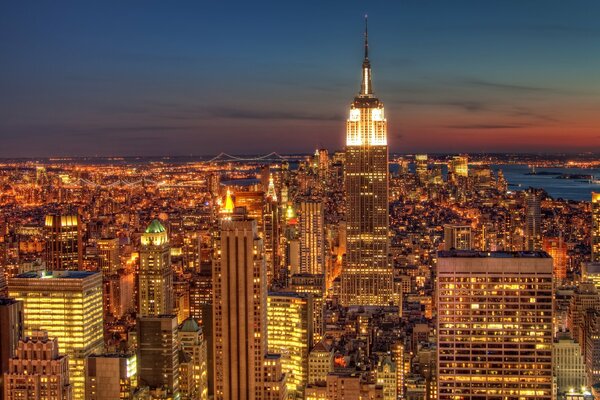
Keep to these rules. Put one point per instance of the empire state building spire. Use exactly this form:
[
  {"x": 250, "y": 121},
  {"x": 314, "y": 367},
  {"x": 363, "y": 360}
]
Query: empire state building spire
[{"x": 365, "y": 86}]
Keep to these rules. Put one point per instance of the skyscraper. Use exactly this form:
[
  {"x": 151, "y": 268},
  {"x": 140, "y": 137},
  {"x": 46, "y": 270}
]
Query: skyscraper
[
  {"x": 156, "y": 274},
  {"x": 595, "y": 227},
  {"x": 457, "y": 237},
  {"x": 312, "y": 236},
  {"x": 158, "y": 354},
  {"x": 366, "y": 278},
  {"x": 108, "y": 255},
  {"x": 240, "y": 314},
  {"x": 64, "y": 250},
  {"x": 290, "y": 333},
  {"x": 494, "y": 326},
  {"x": 557, "y": 248},
  {"x": 37, "y": 371},
  {"x": 111, "y": 376},
  {"x": 533, "y": 221},
  {"x": 68, "y": 305},
  {"x": 11, "y": 331}
]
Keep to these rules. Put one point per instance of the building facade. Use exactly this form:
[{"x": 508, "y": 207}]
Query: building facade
[
  {"x": 495, "y": 315},
  {"x": 37, "y": 371},
  {"x": 156, "y": 274},
  {"x": 68, "y": 305},
  {"x": 240, "y": 314}
]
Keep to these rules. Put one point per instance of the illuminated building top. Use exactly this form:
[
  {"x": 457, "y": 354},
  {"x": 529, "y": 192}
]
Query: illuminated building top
[
  {"x": 155, "y": 234},
  {"x": 366, "y": 124},
  {"x": 229, "y": 205}
]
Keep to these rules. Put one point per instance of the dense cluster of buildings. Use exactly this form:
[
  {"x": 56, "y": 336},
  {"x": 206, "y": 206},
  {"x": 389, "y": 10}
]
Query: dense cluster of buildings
[{"x": 322, "y": 277}]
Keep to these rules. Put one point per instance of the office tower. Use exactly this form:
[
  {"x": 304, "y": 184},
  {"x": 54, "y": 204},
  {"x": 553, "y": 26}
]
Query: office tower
[
  {"x": 156, "y": 275},
  {"x": 421, "y": 167},
  {"x": 557, "y": 249},
  {"x": 111, "y": 376},
  {"x": 311, "y": 227},
  {"x": 386, "y": 377},
  {"x": 64, "y": 250},
  {"x": 458, "y": 166},
  {"x": 118, "y": 292},
  {"x": 271, "y": 231},
  {"x": 366, "y": 278},
  {"x": 290, "y": 333},
  {"x": 38, "y": 371},
  {"x": 11, "y": 331},
  {"x": 194, "y": 344},
  {"x": 158, "y": 354},
  {"x": 315, "y": 285},
  {"x": 595, "y": 227},
  {"x": 320, "y": 364},
  {"x": 586, "y": 297},
  {"x": 494, "y": 325},
  {"x": 108, "y": 255},
  {"x": 68, "y": 305},
  {"x": 240, "y": 312},
  {"x": 458, "y": 237},
  {"x": 533, "y": 221},
  {"x": 592, "y": 347},
  {"x": 591, "y": 272},
  {"x": 568, "y": 364}
]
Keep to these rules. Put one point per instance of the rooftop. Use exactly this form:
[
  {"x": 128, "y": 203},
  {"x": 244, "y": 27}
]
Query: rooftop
[
  {"x": 56, "y": 274},
  {"x": 155, "y": 227},
  {"x": 491, "y": 254}
]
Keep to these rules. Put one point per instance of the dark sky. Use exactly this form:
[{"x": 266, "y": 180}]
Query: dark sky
[{"x": 201, "y": 77}]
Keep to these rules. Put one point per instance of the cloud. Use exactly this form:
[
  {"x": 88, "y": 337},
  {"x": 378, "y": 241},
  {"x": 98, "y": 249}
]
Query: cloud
[
  {"x": 509, "y": 86},
  {"x": 239, "y": 113},
  {"x": 489, "y": 126}
]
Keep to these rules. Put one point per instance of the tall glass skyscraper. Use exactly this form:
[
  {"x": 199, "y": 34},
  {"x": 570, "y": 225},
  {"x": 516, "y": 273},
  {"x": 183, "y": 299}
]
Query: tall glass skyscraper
[{"x": 367, "y": 276}]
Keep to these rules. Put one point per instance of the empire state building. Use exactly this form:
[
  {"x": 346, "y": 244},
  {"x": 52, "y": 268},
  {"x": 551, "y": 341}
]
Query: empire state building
[{"x": 367, "y": 277}]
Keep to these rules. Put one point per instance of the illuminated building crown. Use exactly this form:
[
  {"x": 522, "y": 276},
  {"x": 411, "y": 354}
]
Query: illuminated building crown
[{"x": 366, "y": 125}]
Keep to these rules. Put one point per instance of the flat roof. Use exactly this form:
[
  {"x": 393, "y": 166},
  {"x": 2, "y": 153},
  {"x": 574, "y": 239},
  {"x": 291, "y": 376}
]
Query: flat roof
[
  {"x": 491, "y": 254},
  {"x": 56, "y": 274}
]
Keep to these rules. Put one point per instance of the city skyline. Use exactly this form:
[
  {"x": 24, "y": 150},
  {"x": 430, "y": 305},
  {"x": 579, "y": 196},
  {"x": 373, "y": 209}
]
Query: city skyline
[{"x": 467, "y": 77}]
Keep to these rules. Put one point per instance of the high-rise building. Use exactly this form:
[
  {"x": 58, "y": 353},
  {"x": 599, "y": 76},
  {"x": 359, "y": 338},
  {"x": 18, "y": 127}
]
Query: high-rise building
[
  {"x": 290, "y": 333},
  {"x": 158, "y": 355},
  {"x": 595, "y": 227},
  {"x": 568, "y": 364},
  {"x": 37, "y": 371},
  {"x": 11, "y": 331},
  {"x": 591, "y": 346},
  {"x": 240, "y": 315},
  {"x": 459, "y": 166},
  {"x": 194, "y": 344},
  {"x": 311, "y": 227},
  {"x": 111, "y": 376},
  {"x": 108, "y": 255},
  {"x": 387, "y": 377},
  {"x": 533, "y": 221},
  {"x": 494, "y": 327},
  {"x": 557, "y": 248},
  {"x": 458, "y": 237},
  {"x": 367, "y": 277},
  {"x": 156, "y": 275},
  {"x": 320, "y": 364},
  {"x": 586, "y": 297},
  {"x": 421, "y": 167},
  {"x": 68, "y": 305},
  {"x": 64, "y": 249},
  {"x": 591, "y": 272}
]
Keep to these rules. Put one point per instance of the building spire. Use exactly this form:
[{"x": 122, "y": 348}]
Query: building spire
[
  {"x": 366, "y": 37},
  {"x": 365, "y": 86}
]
